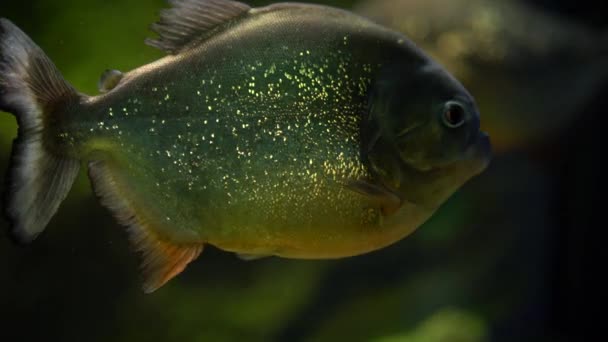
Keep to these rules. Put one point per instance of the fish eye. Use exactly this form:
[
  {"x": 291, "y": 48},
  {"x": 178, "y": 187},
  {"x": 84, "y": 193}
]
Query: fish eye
[{"x": 454, "y": 115}]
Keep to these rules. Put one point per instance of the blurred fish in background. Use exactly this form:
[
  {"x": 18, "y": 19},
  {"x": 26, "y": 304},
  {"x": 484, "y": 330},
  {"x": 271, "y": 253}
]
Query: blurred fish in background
[
  {"x": 530, "y": 70},
  {"x": 513, "y": 256}
]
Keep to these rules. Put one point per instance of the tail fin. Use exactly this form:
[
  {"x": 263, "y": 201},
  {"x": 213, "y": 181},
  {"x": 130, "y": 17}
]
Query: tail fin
[{"x": 32, "y": 88}]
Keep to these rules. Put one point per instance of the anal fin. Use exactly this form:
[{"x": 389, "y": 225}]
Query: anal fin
[{"x": 162, "y": 259}]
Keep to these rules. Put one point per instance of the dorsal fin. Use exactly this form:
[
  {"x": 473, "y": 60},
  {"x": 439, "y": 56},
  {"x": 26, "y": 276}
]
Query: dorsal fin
[
  {"x": 191, "y": 21},
  {"x": 161, "y": 259}
]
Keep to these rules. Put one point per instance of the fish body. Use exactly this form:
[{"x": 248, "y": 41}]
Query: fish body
[
  {"x": 256, "y": 128},
  {"x": 272, "y": 131}
]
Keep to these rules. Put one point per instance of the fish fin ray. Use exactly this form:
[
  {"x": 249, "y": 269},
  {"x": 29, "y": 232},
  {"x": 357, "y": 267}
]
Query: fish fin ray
[
  {"x": 32, "y": 89},
  {"x": 378, "y": 195},
  {"x": 189, "y": 21},
  {"x": 161, "y": 259}
]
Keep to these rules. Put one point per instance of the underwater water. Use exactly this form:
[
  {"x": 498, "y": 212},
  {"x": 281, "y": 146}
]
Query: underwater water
[{"x": 512, "y": 256}]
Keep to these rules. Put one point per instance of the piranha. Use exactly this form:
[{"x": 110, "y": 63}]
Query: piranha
[{"x": 293, "y": 130}]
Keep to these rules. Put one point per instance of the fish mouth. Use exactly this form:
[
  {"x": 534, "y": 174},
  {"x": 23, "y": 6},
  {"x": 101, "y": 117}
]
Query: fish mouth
[{"x": 480, "y": 152}]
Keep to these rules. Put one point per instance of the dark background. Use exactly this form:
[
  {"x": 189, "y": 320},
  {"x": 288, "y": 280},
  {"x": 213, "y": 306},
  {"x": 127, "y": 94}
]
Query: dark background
[
  {"x": 516, "y": 255},
  {"x": 578, "y": 295}
]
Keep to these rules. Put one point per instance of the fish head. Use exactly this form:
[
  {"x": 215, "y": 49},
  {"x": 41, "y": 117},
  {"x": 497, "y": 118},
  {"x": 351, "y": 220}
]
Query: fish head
[{"x": 428, "y": 138}]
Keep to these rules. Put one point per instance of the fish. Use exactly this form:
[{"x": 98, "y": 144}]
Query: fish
[
  {"x": 293, "y": 130},
  {"x": 532, "y": 71}
]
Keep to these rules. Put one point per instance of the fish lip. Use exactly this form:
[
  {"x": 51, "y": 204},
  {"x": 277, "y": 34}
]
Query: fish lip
[{"x": 480, "y": 151}]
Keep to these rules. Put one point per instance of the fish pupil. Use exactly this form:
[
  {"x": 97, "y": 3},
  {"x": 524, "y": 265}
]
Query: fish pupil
[{"x": 454, "y": 115}]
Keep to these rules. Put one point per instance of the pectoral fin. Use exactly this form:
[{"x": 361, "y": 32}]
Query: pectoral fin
[
  {"x": 388, "y": 201},
  {"x": 162, "y": 259}
]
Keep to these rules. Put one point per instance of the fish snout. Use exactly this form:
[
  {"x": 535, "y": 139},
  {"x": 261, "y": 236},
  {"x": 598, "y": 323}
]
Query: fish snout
[{"x": 480, "y": 152}]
